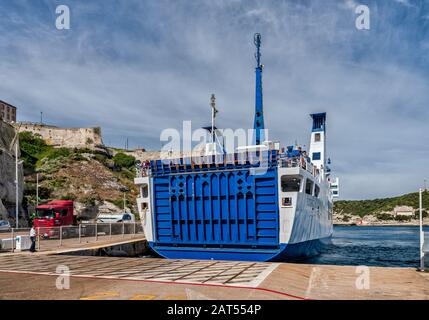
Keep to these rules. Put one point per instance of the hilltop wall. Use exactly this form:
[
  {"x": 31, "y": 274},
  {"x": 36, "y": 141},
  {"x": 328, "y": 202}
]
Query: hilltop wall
[
  {"x": 143, "y": 155},
  {"x": 64, "y": 137},
  {"x": 7, "y": 172}
]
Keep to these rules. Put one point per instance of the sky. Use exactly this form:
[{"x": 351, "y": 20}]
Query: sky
[{"x": 138, "y": 67}]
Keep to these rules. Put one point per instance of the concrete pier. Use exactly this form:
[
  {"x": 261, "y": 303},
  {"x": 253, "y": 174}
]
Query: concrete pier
[
  {"x": 93, "y": 278},
  {"x": 87, "y": 246}
]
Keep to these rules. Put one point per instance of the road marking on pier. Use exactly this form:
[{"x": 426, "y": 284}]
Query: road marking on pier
[{"x": 227, "y": 273}]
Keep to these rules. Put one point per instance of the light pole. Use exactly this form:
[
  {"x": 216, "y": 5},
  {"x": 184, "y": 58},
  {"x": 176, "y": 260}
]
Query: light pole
[
  {"x": 37, "y": 189},
  {"x": 422, "y": 255},
  {"x": 17, "y": 163},
  {"x": 16, "y": 187}
]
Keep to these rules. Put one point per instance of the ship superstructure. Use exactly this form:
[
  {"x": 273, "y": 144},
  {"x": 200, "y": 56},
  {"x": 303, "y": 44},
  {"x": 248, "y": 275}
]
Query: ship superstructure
[{"x": 260, "y": 203}]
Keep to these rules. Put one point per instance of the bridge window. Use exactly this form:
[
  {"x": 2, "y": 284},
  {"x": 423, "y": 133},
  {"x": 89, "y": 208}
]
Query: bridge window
[
  {"x": 145, "y": 191},
  {"x": 145, "y": 206},
  {"x": 287, "y": 202},
  {"x": 316, "y": 156},
  {"x": 316, "y": 191},
  {"x": 317, "y": 137},
  {"x": 291, "y": 183},
  {"x": 309, "y": 187}
]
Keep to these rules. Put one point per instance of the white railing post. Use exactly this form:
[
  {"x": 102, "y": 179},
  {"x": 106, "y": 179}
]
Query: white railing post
[
  {"x": 422, "y": 254},
  {"x": 80, "y": 233},
  {"x": 61, "y": 236},
  {"x": 13, "y": 240},
  {"x": 38, "y": 238}
]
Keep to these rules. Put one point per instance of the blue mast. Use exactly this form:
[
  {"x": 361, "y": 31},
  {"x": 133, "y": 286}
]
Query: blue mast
[{"x": 258, "y": 124}]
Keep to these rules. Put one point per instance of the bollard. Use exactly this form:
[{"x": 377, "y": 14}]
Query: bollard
[
  {"x": 80, "y": 233},
  {"x": 134, "y": 231},
  {"x": 123, "y": 229},
  {"x": 110, "y": 228},
  {"x": 13, "y": 240},
  {"x": 61, "y": 236},
  {"x": 96, "y": 232}
]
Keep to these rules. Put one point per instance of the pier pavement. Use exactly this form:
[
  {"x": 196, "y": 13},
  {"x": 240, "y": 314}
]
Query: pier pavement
[{"x": 101, "y": 278}]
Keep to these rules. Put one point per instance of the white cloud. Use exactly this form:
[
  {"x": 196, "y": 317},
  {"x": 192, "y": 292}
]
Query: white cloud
[{"x": 138, "y": 68}]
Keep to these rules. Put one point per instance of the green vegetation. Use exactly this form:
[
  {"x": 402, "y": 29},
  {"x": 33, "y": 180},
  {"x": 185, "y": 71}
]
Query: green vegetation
[
  {"x": 346, "y": 218},
  {"x": 57, "y": 153},
  {"x": 385, "y": 216},
  {"x": 68, "y": 197},
  {"x": 425, "y": 214},
  {"x": 32, "y": 149},
  {"x": 377, "y": 206},
  {"x": 122, "y": 160},
  {"x": 55, "y": 183},
  {"x": 120, "y": 202}
]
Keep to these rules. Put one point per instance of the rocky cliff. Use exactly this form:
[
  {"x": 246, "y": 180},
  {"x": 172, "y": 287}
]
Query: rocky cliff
[{"x": 8, "y": 141}]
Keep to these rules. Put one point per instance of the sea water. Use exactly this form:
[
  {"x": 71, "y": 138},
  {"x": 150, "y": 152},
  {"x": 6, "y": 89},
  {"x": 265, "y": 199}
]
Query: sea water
[{"x": 386, "y": 246}]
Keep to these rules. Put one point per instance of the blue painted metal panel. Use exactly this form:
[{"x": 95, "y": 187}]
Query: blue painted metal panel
[
  {"x": 283, "y": 252},
  {"x": 217, "y": 205}
]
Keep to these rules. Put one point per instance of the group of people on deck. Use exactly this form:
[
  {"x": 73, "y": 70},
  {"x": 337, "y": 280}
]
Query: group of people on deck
[
  {"x": 296, "y": 154},
  {"x": 142, "y": 168}
]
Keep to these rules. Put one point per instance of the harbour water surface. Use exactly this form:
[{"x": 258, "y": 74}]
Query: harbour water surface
[{"x": 384, "y": 246}]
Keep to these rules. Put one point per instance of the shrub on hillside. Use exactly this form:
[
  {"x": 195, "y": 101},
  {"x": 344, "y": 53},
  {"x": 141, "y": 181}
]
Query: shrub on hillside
[
  {"x": 32, "y": 144},
  {"x": 57, "y": 153},
  {"x": 425, "y": 214},
  {"x": 403, "y": 218},
  {"x": 122, "y": 160},
  {"x": 32, "y": 147},
  {"x": 385, "y": 216}
]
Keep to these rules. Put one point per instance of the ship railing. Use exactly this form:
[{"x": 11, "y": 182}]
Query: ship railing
[
  {"x": 299, "y": 162},
  {"x": 198, "y": 163},
  {"x": 142, "y": 172}
]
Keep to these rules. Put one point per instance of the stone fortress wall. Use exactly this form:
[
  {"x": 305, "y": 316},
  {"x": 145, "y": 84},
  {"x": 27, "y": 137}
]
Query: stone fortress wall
[{"x": 64, "y": 137}]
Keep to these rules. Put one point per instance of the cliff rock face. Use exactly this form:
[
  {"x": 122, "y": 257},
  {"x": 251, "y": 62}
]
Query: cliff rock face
[{"x": 7, "y": 172}]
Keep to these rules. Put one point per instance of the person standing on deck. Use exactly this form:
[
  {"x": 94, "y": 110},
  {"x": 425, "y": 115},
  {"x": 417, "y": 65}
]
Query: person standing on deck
[{"x": 33, "y": 239}]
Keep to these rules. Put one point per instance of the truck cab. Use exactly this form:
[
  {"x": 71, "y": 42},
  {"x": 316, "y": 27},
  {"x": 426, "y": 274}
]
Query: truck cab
[{"x": 49, "y": 217}]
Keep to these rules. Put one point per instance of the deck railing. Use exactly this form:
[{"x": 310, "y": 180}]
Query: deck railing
[
  {"x": 244, "y": 159},
  {"x": 236, "y": 159},
  {"x": 71, "y": 236},
  {"x": 299, "y": 162}
]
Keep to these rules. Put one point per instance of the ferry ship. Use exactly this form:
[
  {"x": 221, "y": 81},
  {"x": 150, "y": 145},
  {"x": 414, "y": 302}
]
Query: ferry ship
[{"x": 258, "y": 203}]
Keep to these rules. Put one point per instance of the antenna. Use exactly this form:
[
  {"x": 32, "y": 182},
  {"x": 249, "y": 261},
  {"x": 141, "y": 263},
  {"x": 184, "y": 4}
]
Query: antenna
[
  {"x": 258, "y": 124},
  {"x": 214, "y": 111},
  {"x": 257, "y": 41}
]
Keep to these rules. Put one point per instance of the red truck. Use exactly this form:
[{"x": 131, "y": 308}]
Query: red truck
[{"x": 51, "y": 216}]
